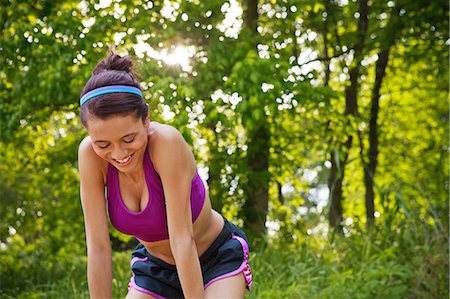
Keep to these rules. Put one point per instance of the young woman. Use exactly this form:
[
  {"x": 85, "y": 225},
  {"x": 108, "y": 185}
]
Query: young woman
[{"x": 153, "y": 192}]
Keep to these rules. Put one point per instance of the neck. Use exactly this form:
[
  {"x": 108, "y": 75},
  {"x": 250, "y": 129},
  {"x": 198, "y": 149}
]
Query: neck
[{"x": 137, "y": 173}]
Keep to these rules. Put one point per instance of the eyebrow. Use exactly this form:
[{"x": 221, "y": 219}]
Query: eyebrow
[{"x": 125, "y": 136}]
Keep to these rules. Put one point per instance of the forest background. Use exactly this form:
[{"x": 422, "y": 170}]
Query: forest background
[{"x": 321, "y": 127}]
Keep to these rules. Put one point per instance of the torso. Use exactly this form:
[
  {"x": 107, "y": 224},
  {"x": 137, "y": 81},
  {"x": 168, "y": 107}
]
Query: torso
[
  {"x": 135, "y": 197},
  {"x": 206, "y": 228}
]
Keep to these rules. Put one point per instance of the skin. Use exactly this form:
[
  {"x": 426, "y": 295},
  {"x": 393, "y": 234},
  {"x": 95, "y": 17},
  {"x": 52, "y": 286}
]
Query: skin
[{"x": 121, "y": 141}]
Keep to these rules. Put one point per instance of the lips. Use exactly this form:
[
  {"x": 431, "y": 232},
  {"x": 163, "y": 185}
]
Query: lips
[{"x": 125, "y": 161}]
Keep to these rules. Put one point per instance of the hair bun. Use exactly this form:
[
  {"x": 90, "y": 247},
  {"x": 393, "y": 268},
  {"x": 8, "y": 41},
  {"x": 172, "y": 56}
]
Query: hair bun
[{"x": 114, "y": 62}]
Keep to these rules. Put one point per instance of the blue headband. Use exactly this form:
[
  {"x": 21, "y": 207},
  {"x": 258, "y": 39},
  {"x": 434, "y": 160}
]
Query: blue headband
[{"x": 109, "y": 89}]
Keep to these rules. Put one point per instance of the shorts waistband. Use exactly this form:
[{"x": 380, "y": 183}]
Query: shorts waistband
[{"x": 224, "y": 235}]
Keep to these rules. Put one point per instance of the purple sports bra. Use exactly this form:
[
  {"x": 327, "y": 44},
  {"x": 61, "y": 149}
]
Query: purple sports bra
[{"x": 150, "y": 224}]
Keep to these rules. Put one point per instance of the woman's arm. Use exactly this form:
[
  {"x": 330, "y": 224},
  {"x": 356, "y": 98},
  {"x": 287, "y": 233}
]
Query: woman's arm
[
  {"x": 175, "y": 164},
  {"x": 92, "y": 192}
]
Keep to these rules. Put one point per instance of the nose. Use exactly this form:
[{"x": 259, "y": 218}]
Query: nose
[{"x": 118, "y": 153}]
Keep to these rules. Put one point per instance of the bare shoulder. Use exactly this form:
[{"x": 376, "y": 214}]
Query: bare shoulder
[
  {"x": 86, "y": 150},
  {"x": 163, "y": 133},
  {"x": 163, "y": 137},
  {"x": 89, "y": 162},
  {"x": 85, "y": 145},
  {"x": 167, "y": 143}
]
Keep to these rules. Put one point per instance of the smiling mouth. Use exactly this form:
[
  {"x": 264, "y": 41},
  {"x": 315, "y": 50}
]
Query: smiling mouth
[{"x": 124, "y": 161}]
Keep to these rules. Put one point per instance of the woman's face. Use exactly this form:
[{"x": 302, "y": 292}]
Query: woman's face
[{"x": 120, "y": 140}]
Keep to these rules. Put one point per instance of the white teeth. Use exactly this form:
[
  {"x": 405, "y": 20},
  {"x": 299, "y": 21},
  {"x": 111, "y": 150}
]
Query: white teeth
[{"x": 124, "y": 160}]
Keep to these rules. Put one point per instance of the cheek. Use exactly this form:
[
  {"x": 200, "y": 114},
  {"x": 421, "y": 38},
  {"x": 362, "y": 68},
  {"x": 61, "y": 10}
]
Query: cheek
[
  {"x": 141, "y": 144},
  {"x": 100, "y": 152},
  {"x": 142, "y": 141}
]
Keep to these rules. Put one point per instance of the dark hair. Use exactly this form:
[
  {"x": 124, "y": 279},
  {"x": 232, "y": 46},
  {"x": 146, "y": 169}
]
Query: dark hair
[{"x": 113, "y": 70}]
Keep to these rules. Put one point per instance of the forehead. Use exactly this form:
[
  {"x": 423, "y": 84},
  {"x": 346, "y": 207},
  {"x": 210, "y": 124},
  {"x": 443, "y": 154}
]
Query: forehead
[{"x": 114, "y": 127}]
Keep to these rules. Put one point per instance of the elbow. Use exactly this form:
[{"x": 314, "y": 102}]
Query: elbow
[
  {"x": 99, "y": 249},
  {"x": 181, "y": 243}
]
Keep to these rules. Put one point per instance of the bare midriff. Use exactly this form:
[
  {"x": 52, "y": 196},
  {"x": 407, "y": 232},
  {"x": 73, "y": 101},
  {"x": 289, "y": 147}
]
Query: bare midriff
[{"x": 206, "y": 227}]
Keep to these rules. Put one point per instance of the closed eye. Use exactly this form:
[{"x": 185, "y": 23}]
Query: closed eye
[{"x": 129, "y": 141}]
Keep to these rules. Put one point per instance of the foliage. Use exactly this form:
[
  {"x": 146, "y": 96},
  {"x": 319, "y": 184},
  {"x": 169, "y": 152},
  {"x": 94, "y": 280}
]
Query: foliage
[{"x": 233, "y": 83}]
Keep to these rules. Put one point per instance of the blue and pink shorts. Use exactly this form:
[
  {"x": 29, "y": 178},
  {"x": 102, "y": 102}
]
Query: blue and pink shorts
[{"x": 227, "y": 256}]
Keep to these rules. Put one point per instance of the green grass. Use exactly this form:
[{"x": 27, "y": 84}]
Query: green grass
[{"x": 365, "y": 265}]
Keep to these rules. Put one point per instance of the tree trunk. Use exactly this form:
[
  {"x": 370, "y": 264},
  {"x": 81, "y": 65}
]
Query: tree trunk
[
  {"x": 334, "y": 179},
  {"x": 257, "y": 203},
  {"x": 251, "y": 16},
  {"x": 369, "y": 170},
  {"x": 280, "y": 193},
  {"x": 351, "y": 109},
  {"x": 370, "y": 164},
  {"x": 257, "y": 190},
  {"x": 335, "y": 187},
  {"x": 327, "y": 60},
  {"x": 216, "y": 164}
]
